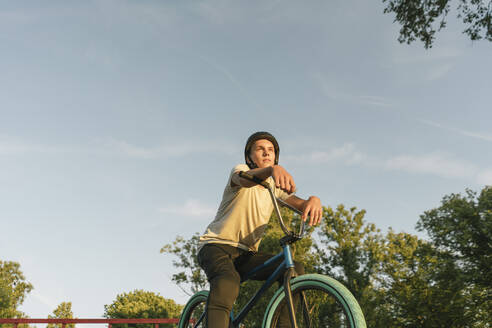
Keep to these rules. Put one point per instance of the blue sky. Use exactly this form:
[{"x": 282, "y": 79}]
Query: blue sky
[{"x": 120, "y": 120}]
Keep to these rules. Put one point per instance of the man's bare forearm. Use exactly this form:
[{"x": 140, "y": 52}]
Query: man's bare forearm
[
  {"x": 296, "y": 202},
  {"x": 260, "y": 173},
  {"x": 310, "y": 207},
  {"x": 282, "y": 178}
]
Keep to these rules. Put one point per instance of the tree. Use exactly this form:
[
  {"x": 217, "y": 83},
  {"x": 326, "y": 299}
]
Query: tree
[
  {"x": 141, "y": 304},
  {"x": 192, "y": 279},
  {"x": 13, "y": 289},
  {"x": 421, "y": 19},
  {"x": 350, "y": 251},
  {"x": 62, "y": 311},
  {"x": 397, "y": 278},
  {"x": 461, "y": 229},
  {"x": 415, "y": 288}
]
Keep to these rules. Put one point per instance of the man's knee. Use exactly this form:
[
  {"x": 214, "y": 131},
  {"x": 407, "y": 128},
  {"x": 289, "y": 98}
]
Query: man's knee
[{"x": 224, "y": 291}]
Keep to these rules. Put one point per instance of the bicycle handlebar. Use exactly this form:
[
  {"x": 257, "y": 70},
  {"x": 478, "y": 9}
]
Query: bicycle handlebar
[
  {"x": 275, "y": 201},
  {"x": 252, "y": 178}
]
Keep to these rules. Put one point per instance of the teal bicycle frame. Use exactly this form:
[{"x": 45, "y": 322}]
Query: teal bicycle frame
[{"x": 286, "y": 267}]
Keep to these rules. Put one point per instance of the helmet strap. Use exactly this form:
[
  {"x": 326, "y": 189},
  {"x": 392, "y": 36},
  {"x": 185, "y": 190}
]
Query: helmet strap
[{"x": 250, "y": 163}]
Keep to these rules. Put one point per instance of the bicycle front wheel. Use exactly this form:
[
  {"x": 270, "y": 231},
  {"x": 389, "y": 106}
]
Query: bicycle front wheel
[
  {"x": 193, "y": 315},
  {"x": 319, "y": 301}
]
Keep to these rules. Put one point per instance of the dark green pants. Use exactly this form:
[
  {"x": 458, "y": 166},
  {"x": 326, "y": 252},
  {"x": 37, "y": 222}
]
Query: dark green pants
[{"x": 224, "y": 266}]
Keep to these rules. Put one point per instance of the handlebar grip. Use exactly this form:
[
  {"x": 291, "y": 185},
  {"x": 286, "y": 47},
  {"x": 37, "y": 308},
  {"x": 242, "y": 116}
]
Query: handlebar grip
[{"x": 254, "y": 179}]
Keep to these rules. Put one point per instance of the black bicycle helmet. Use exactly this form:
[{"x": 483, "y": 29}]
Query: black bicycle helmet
[{"x": 252, "y": 139}]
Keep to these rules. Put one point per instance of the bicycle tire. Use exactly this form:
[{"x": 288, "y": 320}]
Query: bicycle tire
[
  {"x": 329, "y": 303},
  {"x": 193, "y": 311}
]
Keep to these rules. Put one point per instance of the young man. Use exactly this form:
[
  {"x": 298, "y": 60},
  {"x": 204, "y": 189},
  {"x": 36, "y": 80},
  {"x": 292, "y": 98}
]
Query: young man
[{"x": 229, "y": 246}]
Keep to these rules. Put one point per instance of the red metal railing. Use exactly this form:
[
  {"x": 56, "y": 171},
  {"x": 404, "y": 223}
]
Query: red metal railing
[{"x": 109, "y": 322}]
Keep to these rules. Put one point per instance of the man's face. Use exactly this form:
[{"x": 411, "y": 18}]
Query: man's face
[{"x": 263, "y": 153}]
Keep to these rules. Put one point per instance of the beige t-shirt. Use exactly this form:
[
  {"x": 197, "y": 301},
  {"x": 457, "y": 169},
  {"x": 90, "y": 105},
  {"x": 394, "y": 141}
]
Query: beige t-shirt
[{"x": 243, "y": 215}]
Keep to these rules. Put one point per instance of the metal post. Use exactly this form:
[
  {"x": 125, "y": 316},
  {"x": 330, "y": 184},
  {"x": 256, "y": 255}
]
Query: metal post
[{"x": 288, "y": 296}]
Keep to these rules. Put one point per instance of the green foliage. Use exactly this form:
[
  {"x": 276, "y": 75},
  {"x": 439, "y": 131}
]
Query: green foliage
[
  {"x": 399, "y": 279},
  {"x": 191, "y": 279},
  {"x": 141, "y": 304},
  {"x": 350, "y": 251},
  {"x": 62, "y": 311},
  {"x": 421, "y": 19},
  {"x": 415, "y": 289},
  {"x": 351, "y": 248},
  {"x": 461, "y": 229},
  {"x": 13, "y": 289}
]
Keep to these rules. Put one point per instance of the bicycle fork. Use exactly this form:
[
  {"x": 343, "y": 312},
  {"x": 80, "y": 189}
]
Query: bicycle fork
[
  {"x": 288, "y": 295},
  {"x": 288, "y": 275}
]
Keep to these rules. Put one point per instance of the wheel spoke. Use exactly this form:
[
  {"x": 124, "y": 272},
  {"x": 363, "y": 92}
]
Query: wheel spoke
[{"x": 315, "y": 308}]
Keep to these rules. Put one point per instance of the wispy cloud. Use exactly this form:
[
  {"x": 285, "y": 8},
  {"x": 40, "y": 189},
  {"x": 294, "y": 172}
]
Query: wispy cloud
[
  {"x": 438, "y": 71},
  {"x": 335, "y": 91},
  {"x": 435, "y": 164},
  {"x": 404, "y": 56},
  {"x": 11, "y": 146},
  {"x": 191, "y": 208},
  {"x": 16, "y": 146},
  {"x": 429, "y": 65},
  {"x": 477, "y": 135},
  {"x": 346, "y": 153},
  {"x": 484, "y": 177},
  {"x": 419, "y": 56},
  {"x": 329, "y": 87},
  {"x": 172, "y": 149},
  {"x": 45, "y": 300},
  {"x": 232, "y": 79},
  {"x": 438, "y": 164},
  {"x": 375, "y": 100}
]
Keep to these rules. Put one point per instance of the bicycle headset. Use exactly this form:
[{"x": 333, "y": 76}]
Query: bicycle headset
[{"x": 252, "y": 139}]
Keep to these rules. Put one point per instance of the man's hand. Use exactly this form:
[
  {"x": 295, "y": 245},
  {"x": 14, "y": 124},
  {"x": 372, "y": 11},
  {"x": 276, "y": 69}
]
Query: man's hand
[
  {"x": 283, "y": 179},
  {"x": 312, "y": 207}
]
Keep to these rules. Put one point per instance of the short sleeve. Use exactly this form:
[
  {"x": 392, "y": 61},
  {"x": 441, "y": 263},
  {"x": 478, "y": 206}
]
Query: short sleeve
[
  {"x": 235, "y": 169},
  {"x": 239, "y": 167}
]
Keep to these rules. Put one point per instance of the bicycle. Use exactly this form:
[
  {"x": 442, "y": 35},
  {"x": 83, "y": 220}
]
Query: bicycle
[{"x": 312, "y": 300}]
